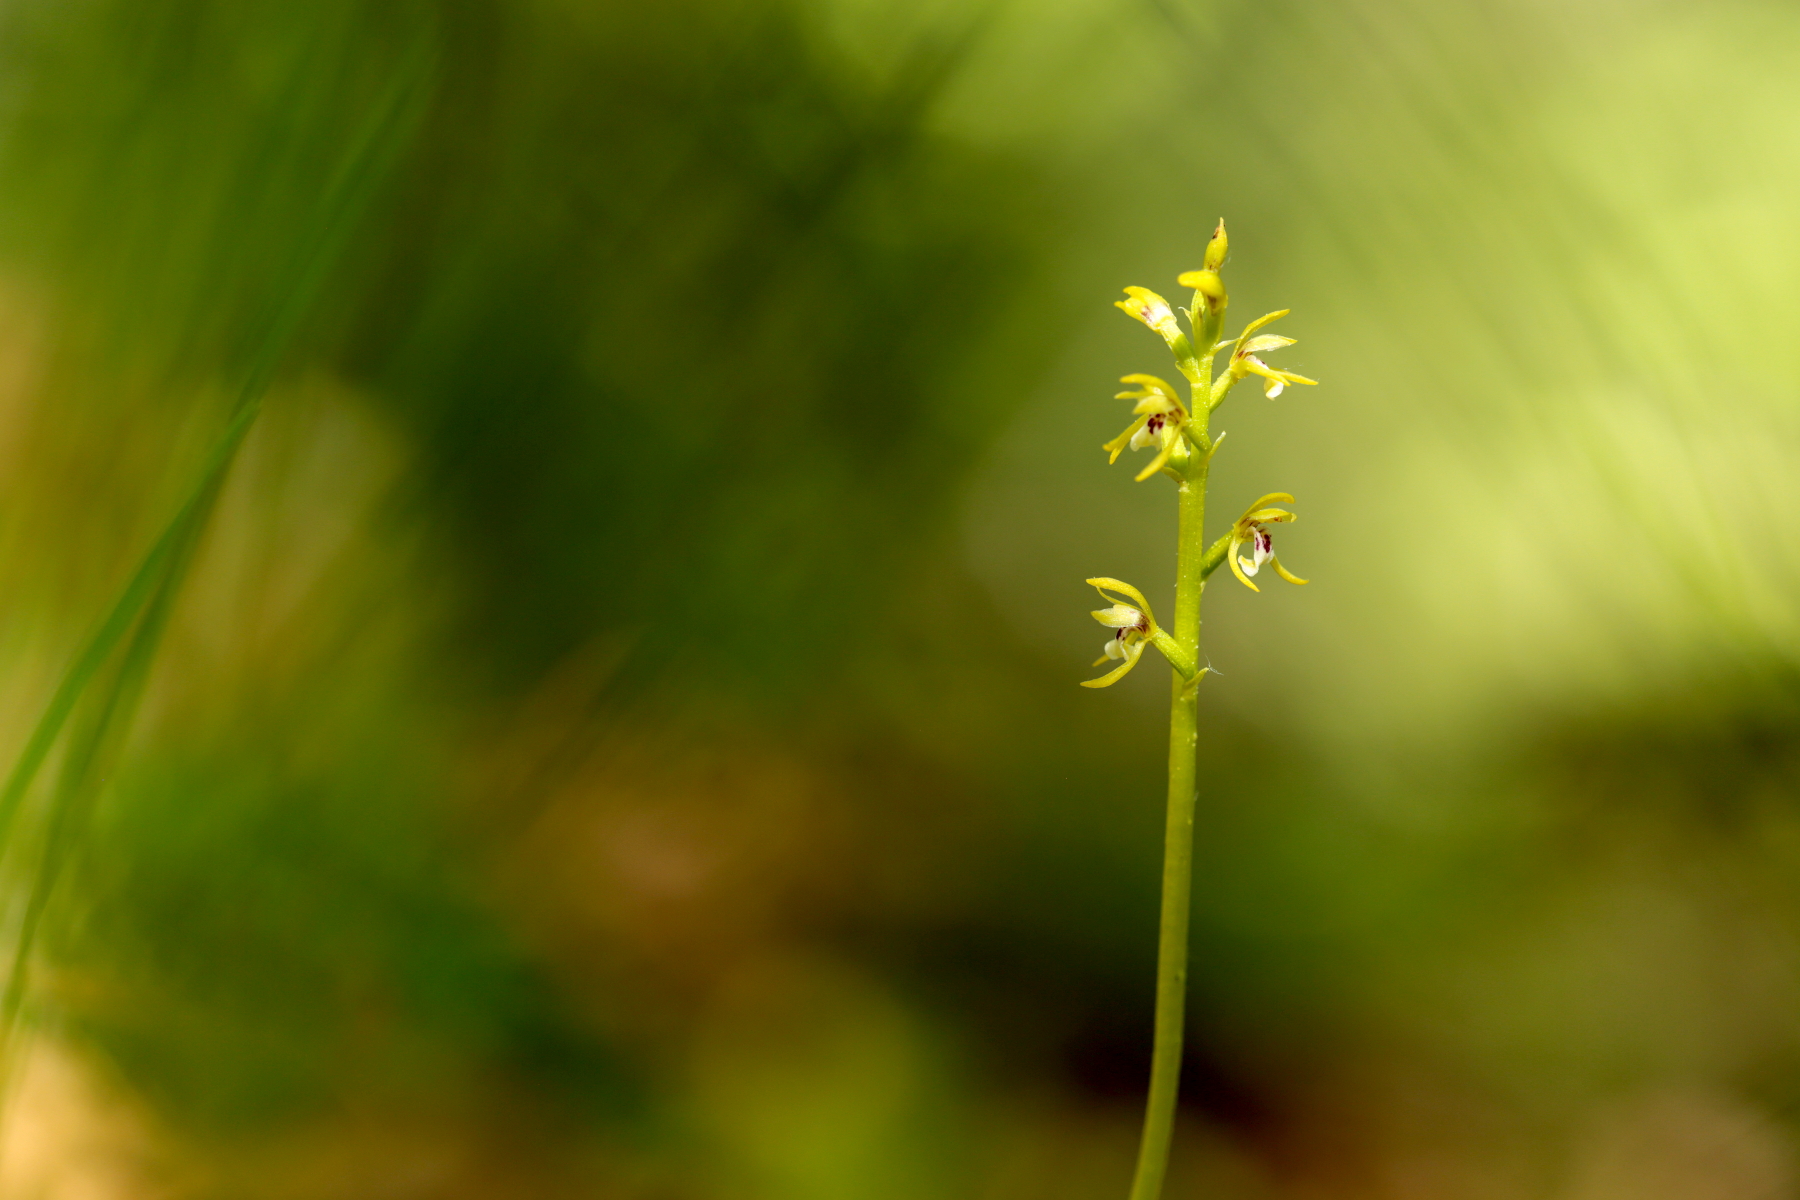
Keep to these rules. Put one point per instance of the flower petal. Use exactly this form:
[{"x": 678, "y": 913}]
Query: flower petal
[
  {"x": 1118, "y": 444},
  {"x": 1231, "y": 556},
  {"x": 1171, "y": 437},
  {"x": 1151, "y": 383},
  {"x": 1249, "y": 364},
  {"x": 1151, "y": 309},
  {"x": 1265, "y": 343},
  {"x": 1284, "y": 572},
  {"x": 1206, "y": 281},
  {"x": 1132, "y": 654},
  {"x": 1257, "y": 324},
  {"x": 1105, "y": 585},
  {"x": 1119, "y": 616}
]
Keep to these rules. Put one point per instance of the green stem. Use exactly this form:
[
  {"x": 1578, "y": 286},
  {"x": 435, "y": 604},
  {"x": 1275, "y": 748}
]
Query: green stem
[{"x": 1178, "y": 843}]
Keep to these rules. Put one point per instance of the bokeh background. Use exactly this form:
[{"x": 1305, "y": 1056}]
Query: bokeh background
[{"x": 615, "y": 732}]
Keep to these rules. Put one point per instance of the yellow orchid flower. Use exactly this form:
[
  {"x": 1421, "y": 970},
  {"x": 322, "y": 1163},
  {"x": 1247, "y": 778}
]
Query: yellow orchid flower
[
  {"x": 1160, "y": 415},
  {"x": 1133, "y": 628},
  {"x": 1146, "y": 306},
  {"x": 1251, "y": 527},
  {"x": 1244, "y": 360},
  {"x": 1153, "y": 311}
]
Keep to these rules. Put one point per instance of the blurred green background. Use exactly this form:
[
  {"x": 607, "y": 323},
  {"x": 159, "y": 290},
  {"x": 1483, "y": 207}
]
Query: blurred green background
[{"x": 617, "y": 735}]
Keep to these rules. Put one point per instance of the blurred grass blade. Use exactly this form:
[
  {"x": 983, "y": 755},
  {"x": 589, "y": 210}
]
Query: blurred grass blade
[
  {"x": 146, "y": 600},
  {"x": 149, "y": 577},
  {"x": 90, "y": 747},
  {"x": 350, "y": 193}
]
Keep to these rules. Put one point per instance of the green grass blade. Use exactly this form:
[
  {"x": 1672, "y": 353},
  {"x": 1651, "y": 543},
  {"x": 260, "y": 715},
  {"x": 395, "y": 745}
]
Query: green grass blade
[
  {"x": 143, "y": 607},
  {"x": 349, "y": 192}
]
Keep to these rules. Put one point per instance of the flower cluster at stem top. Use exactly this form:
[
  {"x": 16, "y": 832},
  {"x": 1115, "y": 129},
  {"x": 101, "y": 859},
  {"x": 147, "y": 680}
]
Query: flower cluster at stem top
[{"x": 1164, "y": 421}]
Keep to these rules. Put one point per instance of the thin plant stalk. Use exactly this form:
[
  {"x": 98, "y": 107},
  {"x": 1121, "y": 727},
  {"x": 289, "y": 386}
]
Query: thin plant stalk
[
  {"x": 1181, "y": 434},
  {"x": 1178, "y": 830}
]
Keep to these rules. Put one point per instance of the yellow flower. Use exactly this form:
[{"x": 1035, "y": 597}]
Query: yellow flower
[
  {"x": 1133, "y": 627},
  {"x": 1251, "y": 527},
  {"x": 1244, "y": 360},
  {"x": 1150, "y": 308},
  {"x": 1153, "y": 311},
  {"x": 1160, "y": 414}
]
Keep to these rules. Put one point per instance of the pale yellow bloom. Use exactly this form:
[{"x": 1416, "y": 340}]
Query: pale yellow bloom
[
  {"x": 1160, "y": 414},
  {"x": 1252, "y": 528},
  {"x": 1153, "y": 311},
  {"x": 1150, "y": 308},
  {"x": 1244, "y": 360},
  {"x": 1133, "y": 628}
]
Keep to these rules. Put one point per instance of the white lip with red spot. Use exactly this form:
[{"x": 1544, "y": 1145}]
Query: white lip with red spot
[
  {"x": 1159, "y": 412},
  {"x": 1150, "y": 434},
  {"x": 1262, "y": 549},
  {"x": 1253, "y": 529}
]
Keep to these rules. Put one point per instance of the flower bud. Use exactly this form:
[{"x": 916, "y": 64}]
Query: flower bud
[{"x": 1217, "y": 247}]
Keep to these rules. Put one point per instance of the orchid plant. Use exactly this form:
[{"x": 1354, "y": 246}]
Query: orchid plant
[{"x": 1177, "y": 431}]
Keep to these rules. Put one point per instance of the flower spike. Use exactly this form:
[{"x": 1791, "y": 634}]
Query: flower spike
[
  {"x": 1251, "y": 527},
  {"x": 1177, "y": 429}
]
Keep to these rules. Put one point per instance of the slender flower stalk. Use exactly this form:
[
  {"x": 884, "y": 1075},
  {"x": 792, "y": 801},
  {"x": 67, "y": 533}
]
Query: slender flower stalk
[{"x": 1179, "y": 432}]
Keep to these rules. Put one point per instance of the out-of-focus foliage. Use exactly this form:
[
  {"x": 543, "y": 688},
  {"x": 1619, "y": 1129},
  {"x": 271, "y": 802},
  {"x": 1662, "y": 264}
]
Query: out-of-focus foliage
[{"x": 618, "y": 735}]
